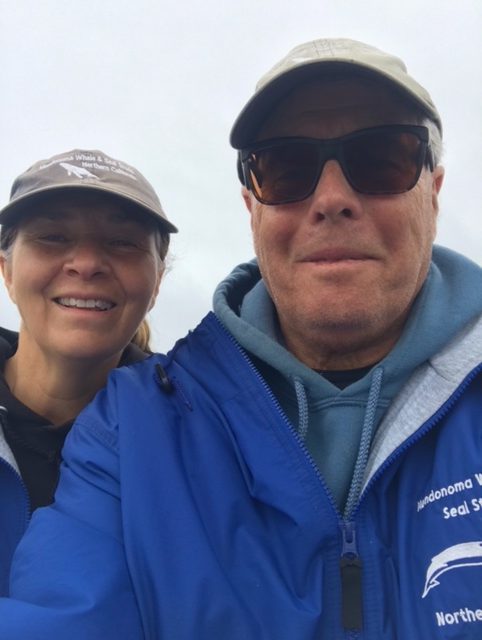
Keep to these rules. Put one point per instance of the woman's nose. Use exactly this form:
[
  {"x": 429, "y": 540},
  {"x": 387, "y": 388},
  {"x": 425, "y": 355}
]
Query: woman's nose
[{"x": 86, "y": 258}]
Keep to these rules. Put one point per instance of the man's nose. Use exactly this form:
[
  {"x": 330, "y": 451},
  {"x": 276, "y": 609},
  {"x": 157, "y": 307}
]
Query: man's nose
[{"x": 334, "y": 198}]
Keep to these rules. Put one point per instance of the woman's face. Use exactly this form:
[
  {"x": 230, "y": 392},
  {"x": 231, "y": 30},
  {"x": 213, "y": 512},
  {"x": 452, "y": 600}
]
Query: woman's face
[{"x": 83, "y": 276}]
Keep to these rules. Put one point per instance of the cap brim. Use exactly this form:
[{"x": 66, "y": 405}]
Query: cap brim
[{"x": 24, "y": 205}]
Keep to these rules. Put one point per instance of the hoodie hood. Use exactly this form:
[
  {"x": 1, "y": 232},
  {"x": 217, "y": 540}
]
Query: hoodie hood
[{"x": 450, "y": 298}]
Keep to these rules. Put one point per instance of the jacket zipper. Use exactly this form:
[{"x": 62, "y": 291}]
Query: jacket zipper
[{"x": 351, "y": 580}]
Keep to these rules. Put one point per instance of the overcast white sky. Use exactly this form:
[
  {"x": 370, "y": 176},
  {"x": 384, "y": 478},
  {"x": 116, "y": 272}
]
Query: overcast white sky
[{"x": 158, "y": 84}]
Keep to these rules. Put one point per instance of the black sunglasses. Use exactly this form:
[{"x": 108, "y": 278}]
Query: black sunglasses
[{"x": 377, "y": 161}]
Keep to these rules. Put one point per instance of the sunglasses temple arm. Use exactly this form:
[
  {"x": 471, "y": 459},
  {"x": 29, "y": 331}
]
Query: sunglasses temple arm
[{"x": 240, "y": 169}]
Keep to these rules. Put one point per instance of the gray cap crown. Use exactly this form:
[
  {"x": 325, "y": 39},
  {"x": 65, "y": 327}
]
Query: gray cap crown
[
  {"x": 314, "y": 59},
  {"x": 79, "y": 170}
]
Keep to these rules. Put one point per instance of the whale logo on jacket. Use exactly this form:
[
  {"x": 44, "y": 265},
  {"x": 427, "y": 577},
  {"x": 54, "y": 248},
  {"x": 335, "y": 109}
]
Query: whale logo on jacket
[{"x": 466, "y": 554}]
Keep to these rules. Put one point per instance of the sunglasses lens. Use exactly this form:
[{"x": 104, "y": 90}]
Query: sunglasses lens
[
  {"x": 383, "y": 162},
  {"x": 283, "y": 173}
]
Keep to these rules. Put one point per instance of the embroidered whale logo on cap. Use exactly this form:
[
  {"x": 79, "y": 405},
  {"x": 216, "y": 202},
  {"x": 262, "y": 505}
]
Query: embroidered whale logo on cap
[
  {"x": 78, "y": 172},
  {"x": 466, "y": 554}
]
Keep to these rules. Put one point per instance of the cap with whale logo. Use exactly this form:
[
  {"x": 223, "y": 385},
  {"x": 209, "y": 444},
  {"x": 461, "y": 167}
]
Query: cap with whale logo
[{"x": 80, "y": 170}]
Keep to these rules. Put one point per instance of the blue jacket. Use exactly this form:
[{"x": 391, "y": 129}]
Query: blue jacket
[
  {"x": 15, "y": 501},
  {"x": 189, "y": 509}
]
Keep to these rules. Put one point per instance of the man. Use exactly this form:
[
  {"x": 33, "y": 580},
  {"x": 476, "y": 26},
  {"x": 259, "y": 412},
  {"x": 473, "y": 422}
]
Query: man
[{"x": 311, "y": 467}]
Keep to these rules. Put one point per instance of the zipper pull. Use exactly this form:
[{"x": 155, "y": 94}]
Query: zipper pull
[{"x": 351, "y": 579}]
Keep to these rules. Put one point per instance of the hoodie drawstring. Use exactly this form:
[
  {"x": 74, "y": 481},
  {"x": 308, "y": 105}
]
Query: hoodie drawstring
[
  {"x": 302, "y": 401},
  {"x": 365, "y": 441}
]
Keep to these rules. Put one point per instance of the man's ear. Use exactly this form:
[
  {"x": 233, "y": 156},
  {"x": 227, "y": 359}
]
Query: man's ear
[{"x": 249, "y": 202}]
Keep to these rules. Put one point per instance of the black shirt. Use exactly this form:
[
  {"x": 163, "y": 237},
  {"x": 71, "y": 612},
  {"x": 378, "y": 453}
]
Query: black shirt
[
  {"x": 342, "y": 379},
  {"x": 35, "y": 443}
]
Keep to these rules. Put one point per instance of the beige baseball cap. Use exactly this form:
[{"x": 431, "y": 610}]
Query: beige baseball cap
[
  {"x": 80, "y": 170},
  {"x": 318, "y": 57}
]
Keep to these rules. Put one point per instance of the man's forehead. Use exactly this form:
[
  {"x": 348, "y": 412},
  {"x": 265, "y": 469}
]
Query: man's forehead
[{"x": 333, "y": 99}]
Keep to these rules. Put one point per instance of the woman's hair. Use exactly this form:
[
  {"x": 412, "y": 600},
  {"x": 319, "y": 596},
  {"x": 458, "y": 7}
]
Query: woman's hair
[
  {"x": 142, "y": 336},
  {"x": 8, "y": 234}
]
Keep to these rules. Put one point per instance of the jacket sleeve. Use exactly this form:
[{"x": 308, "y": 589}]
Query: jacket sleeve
[{"x": 69, "y": 578}]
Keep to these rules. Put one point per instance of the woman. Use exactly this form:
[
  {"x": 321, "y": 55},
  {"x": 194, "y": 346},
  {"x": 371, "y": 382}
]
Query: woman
[{"x": 83, "y": 244}]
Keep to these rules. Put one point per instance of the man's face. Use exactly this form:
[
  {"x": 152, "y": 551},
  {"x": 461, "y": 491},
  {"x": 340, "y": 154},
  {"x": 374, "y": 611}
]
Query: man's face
[{"x": 343, "y": 268}]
